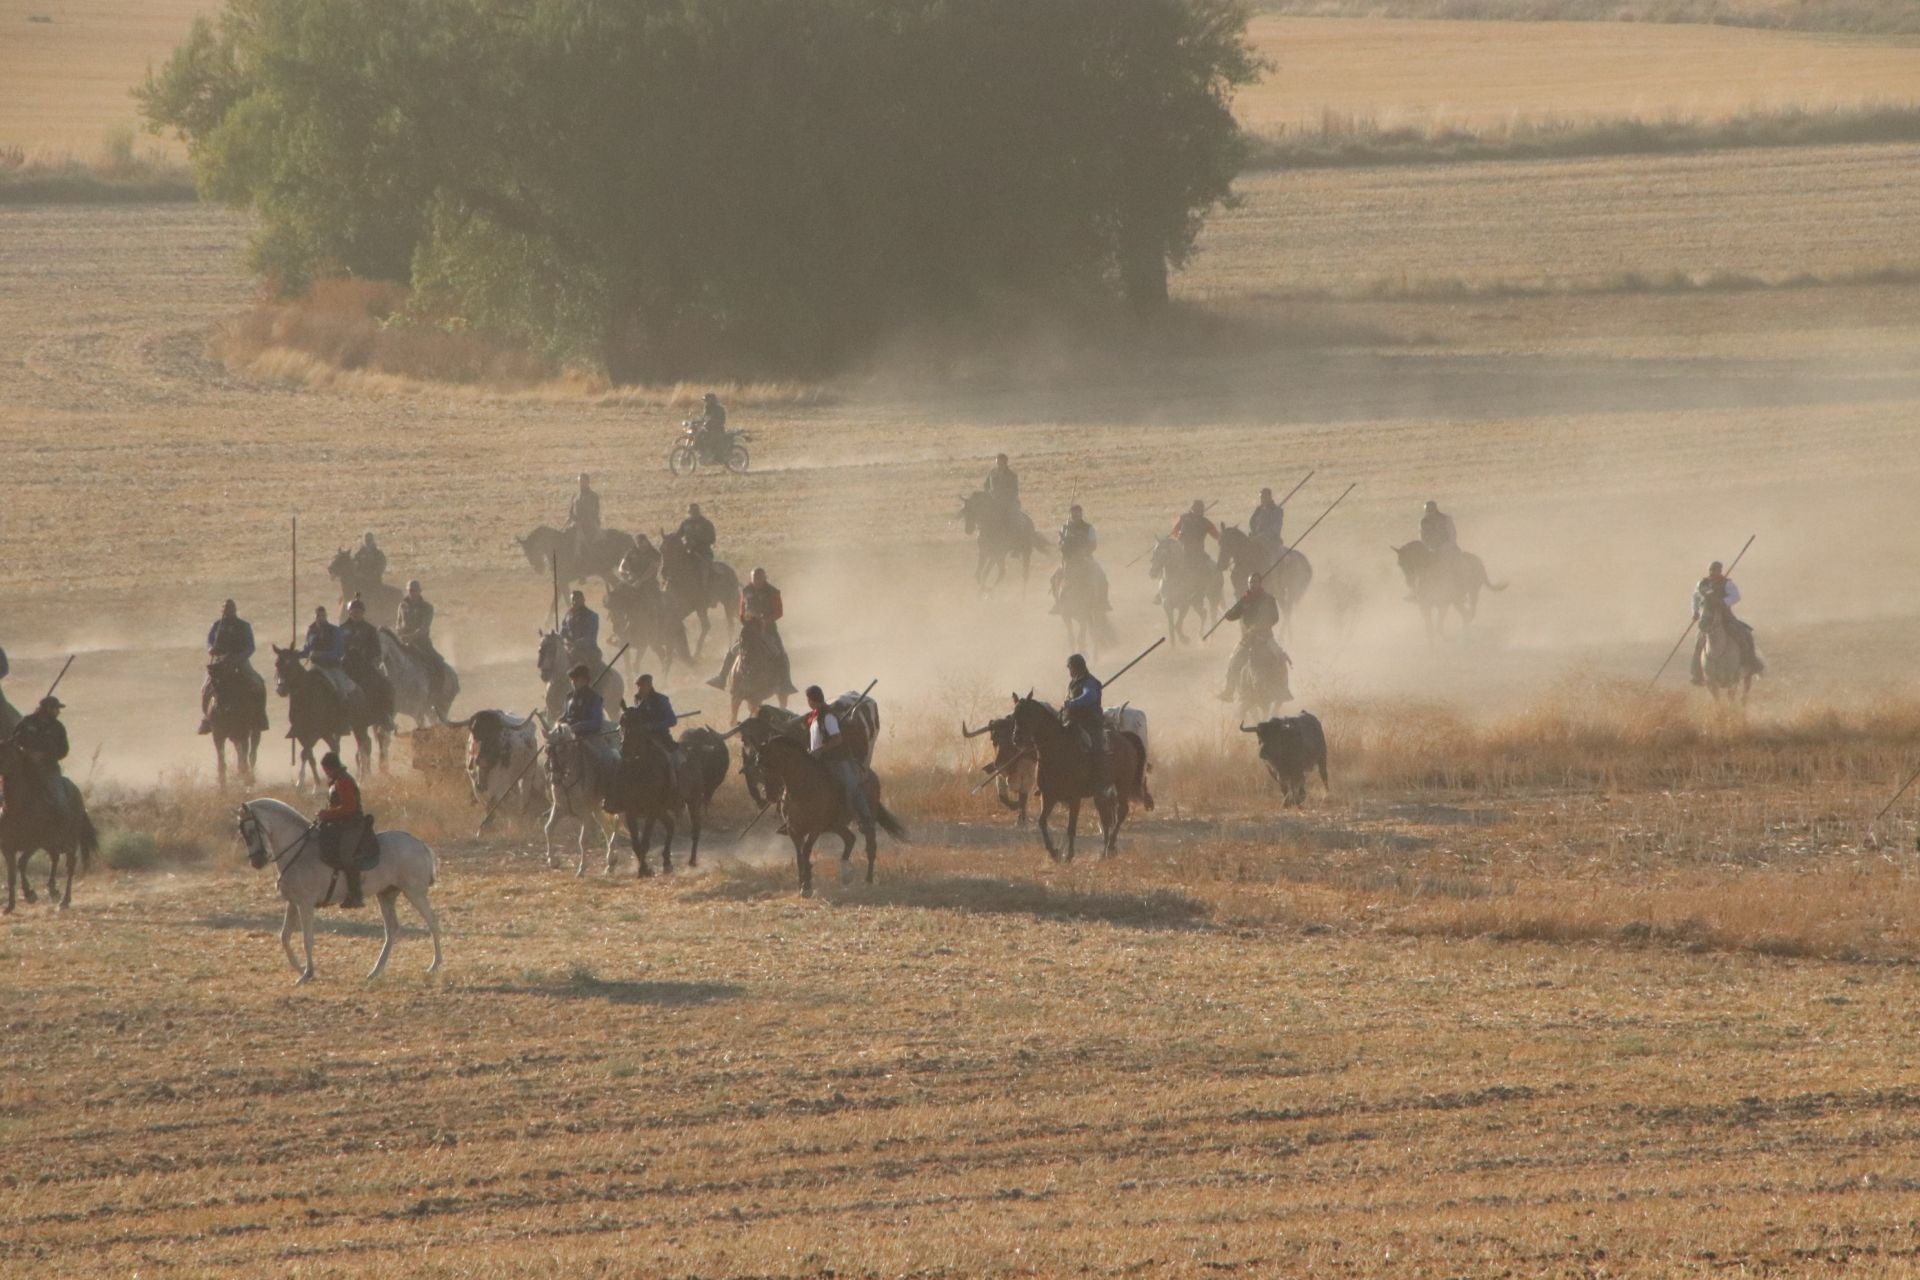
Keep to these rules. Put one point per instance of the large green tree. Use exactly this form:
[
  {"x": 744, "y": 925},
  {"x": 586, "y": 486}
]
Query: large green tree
[{"x": 670, "y": 186}]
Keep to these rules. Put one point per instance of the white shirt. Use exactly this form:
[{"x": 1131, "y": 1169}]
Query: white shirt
[
  {"x": 823, "y": 728},
  {"x": 1731, "y": 592}
]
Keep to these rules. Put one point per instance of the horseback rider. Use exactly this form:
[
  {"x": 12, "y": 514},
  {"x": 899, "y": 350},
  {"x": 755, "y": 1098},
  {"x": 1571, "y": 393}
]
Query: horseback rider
[
  {"x": 360, "y": 647},
  {"x": 1265, "y": 522},
  {"x": 1082, "y": 711},
  {"x": 653, "y": 715},
  {"x": 1258, "y": 614},
  {"x": 43, "y": 740},
  {"x": 699, "y": 535},
  {"x": 641, "y": 564},
  {"x": 230, "y": 646},
  {"x": 1078, "y": 541},
  {"x": 343, "y": 816},
  {"x": 1717, "y": 593},
  {"x": 586, "y": 711},
  {"x": 580, "y": 631},
  {"x": 414, "y": 629},
  {"x": 1436, "y": 529},
  {"x": 369, "y": 563},
  {"x": 1077, "y": 536},
  {"x": 583, "y": 518},
  {"x": 761, "y": 608},
  {"x": 1003, "y": 486},
  {"x": 710, "y": 429},
  {"x": 827, "y": 745},
  {"x": 1193, "y": 529},
  {"x": 325, "y": 649}
]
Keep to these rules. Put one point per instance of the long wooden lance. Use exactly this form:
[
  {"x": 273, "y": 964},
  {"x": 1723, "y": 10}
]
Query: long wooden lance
[
  {"x": 1282, "y": 557},
  {"x": 293, "y": 619},
  {"x": 1689, "y": 627},
  {"x": 495, "y": 806},
  {"x": 57, "y": 679},
  {"x": 1896, "y": 795},
  {"x": 1131, "y": 665},
  {"x": 1297, "y": 488}
]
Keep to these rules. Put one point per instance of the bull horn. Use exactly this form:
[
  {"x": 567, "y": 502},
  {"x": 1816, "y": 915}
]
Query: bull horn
[
  {"x": 973, "y": 733},
  {"x": 1245, "y": 729}
]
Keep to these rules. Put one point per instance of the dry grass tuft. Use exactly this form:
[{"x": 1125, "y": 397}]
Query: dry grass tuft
[
  {"x": 1860, "y": 17},
  {"x": 119, "y": 172}
]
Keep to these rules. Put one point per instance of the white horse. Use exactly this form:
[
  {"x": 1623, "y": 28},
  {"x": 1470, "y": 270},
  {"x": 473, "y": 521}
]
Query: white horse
[
  {"x": 280, "y": 834},
  {"x": 580, "y": 772}
]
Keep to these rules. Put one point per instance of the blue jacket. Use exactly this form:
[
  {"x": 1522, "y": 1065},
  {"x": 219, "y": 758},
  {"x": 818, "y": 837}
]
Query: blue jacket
[
  {"x": 580, "y": 628},
  {"x": 325, "y": 645},
  {"x": 231, "y": 638},
  {"x": 654, "y": 713},
  {"x": 585, "y": 710},
  {"x": 1083, "y": 698}
]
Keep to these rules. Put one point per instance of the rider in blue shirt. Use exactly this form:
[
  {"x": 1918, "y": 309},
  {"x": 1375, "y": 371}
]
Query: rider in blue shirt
[
  {"x": 585, "y": 711},
  {"x": 580, "y": 628},
  {"x": 325, "y": 646}
]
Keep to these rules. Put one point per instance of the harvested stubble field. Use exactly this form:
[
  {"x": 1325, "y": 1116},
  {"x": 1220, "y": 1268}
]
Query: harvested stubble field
[{"x": 1560, "y": 979}]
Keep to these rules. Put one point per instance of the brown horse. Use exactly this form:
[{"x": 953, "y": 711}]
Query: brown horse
[
  {"x": 812, "y": 804},
  {"x": 237, "y": 714},
  {"x": 30, "y": 820},
  {"x": 1068, "y": 773},
  {"x": 649, "y": 793}
]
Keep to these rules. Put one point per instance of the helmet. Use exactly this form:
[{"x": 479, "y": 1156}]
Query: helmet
[{"x": 356, "y": 606}]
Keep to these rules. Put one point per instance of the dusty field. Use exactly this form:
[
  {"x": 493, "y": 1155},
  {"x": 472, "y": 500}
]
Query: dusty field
[
  {"x": 64, "y": 83},
  {"x": 1482, "y": 74},
  {"x": 1560, "y": 979}
]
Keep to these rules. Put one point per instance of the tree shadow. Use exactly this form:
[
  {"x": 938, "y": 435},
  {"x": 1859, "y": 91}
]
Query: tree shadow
[
  {"x": 994, "y": 895},
  {"x": 660, "y": 994}
]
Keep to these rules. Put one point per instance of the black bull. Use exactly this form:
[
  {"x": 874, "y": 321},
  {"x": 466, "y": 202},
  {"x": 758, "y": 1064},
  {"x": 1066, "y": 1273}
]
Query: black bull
[{"x": 1291, "y": 747}]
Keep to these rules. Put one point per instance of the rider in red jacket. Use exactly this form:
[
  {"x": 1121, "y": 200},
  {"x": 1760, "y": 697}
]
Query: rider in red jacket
[{"x": 342, "y": 815}]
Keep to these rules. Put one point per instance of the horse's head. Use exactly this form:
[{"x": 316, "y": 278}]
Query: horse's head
[
  {"x": 253, "y": 835},
  {"x": 341, "y": 565},
  {"x": 287, "y": 669},
  {"x": 549, "y": 657},
  {"x": 1031, "y": 718},
  {"x": 1162, "y": 556},
  {"x": 1413, "y": 557},
  {"x": 970, "y": 511}
]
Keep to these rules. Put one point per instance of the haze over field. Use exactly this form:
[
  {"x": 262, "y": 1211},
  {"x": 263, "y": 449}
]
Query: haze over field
[{"x": 1558, "y": 975}]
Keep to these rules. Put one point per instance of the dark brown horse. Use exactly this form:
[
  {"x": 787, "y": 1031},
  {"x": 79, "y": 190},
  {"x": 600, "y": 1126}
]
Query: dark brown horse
[
  {"x": 30, "y": 821},
  {"x": 1068, "y": 774},
  {"x": 1242, "y": 555},
  {"x": 693, "y": 587},
  {"x": 649, "y": 793},
  {"x": 237, "y": 715},
  {"x": 813, "y": 804},
  {"x": 859, "y": 724},
  {"x": 317, "y": 713}
]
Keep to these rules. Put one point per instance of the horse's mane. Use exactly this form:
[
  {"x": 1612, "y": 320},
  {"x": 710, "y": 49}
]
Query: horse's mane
[
  {"x": 280, "y": 808},
  {"x": 787, "y": 746}
]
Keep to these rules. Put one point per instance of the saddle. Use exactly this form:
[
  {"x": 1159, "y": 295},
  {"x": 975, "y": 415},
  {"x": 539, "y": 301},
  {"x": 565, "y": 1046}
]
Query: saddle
[{"x": 359, "y": 847}]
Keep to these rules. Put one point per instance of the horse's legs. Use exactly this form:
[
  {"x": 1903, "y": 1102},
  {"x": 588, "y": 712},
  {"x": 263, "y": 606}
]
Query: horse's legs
[
  {"x": 390, "y": 923},
  {"x": 73, "y": 856},
  {"x": 803, "y": 862},
  {"x": 306, "y": 936},
  {"x": 220, "y": 759},
  {"x": 640, "y": 841},
  {"x": 1046, "y": 836},
  {"x": 553, "y": 816},
  {"x": 1073, "y": 825},
  {"x": 286, "y": 935},
  {"x": 613, "y": 839},
  {"x": 418, "y": 897},
  {"x": 695, "y": 812},
  {"x": 13, "y": 871}
]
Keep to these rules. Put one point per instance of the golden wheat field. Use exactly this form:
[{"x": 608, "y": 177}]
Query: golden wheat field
[{"x": 1559, "y": 976}]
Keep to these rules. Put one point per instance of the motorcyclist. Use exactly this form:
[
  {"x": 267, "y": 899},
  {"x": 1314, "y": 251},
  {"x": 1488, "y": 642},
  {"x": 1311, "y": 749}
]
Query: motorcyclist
[{"x": 710, "y": 429}]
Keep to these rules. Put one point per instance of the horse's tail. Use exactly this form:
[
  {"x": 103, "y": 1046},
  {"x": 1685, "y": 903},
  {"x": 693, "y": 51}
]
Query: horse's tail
[
  {"x": 89, "y": 841},
  {"x": 890, "y": 824},
  {"x": 1140, "y": 771},
  {"x": 1486, "y": 581}
]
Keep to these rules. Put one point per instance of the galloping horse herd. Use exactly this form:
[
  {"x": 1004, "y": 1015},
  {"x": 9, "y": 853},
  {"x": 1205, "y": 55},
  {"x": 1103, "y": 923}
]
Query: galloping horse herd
[{"x": 649, "y": 780}]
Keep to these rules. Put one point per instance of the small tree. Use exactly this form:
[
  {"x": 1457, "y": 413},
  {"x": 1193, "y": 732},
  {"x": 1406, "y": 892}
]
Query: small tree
[{"x": 665, "y": 186}]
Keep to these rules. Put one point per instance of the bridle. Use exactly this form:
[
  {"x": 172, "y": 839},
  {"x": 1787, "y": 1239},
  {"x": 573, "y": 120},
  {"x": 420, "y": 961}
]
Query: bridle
[{"x": 260, "y": 851}]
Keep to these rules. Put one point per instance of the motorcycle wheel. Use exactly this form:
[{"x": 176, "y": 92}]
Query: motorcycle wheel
[
  {"x": 683, "y": 460},
  {"x": 737, "y": 459}
]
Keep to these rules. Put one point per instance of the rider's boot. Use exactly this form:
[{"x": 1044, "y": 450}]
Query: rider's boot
[
  {"x": 352, "y": 871},
  {"x": 726, "y": 668}
]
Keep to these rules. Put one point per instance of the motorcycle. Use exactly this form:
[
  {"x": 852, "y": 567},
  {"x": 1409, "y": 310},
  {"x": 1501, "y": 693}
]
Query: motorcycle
[{"x": 690, "y": 452}]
